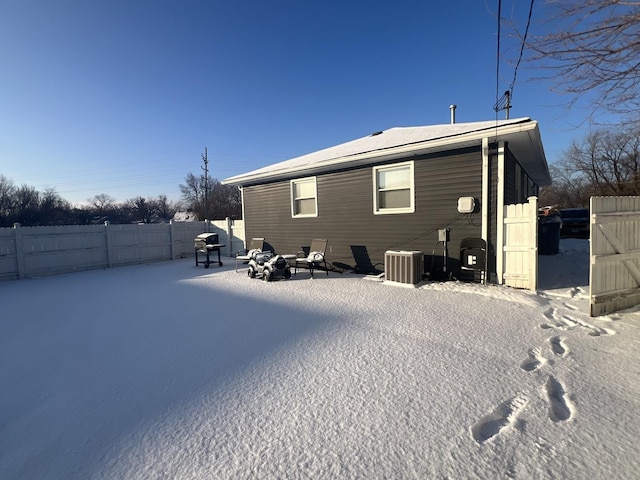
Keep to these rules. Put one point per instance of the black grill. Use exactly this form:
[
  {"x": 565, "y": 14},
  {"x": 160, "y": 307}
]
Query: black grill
[{"x": 207, "y": 243}]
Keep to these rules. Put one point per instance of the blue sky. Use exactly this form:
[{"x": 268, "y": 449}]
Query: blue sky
[{"x": 122, "y": 97}]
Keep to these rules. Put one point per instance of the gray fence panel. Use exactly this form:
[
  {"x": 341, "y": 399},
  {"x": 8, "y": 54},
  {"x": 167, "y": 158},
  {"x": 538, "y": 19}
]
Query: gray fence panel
[
  {"x": 8, "y": 257},
  {"x": 133, "y": 244},
  {"x": 54, "y": 250},
  {"x": 41, "y": 251},
  {"x": 183, "y": 235}
]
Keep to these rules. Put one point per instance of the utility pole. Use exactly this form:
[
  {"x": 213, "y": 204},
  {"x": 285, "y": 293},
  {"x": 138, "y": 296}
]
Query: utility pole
[
  {"x": 504, "y": 103},
  {"x": 206, "y": 186},
  {"x": 508, "y": 104}
]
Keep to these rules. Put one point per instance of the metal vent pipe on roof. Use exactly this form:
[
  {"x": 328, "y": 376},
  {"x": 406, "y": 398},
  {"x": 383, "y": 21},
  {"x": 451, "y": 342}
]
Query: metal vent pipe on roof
[{"x": 453, "y": 112}]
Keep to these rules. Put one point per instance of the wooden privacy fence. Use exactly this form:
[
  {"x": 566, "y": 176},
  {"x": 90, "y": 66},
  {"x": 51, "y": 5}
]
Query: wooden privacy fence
[
  {"x": 614, "y": 270},
  {"x": 517, "y": 256},
  {"x": 27, "y": 252}
]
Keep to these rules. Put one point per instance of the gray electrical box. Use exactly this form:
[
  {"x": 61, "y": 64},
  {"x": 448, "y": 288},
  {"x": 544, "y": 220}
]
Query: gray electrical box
[{"x": 443, "y": 235}]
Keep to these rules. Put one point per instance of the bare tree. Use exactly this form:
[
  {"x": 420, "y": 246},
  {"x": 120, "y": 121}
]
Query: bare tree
[
  {"x": 27, "y": 205},
  {"x": 605, "y": 162},
  {"x": 593, "y": 48},
  {"x": 193, "y": 193},
  {"x": 53, "y": 209},
  {"x": 142, "y": 210},
  {"x": 570, "y": 188},
  {"x": 164, "y": 208},
  {"x": 222, "y": 200},
  {"x": 102, "y": 203},
  {"x": 610, "y": 160},
  {"x": 226, "y": 201},
  {"x": 7, "y": 200}
]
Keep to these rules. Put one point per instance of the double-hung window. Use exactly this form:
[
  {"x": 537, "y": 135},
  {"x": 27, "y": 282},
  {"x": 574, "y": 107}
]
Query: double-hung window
[
  {"x": 304, "y": 198},
  {"x": 393, "y": 190}
]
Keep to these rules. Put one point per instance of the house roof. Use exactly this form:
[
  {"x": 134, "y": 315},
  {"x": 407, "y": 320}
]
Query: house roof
[{"x": 522, "y": 134}]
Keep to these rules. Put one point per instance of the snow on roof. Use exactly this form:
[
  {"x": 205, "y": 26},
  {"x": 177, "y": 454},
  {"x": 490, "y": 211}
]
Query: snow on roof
[{"x": 374, "y": 145}]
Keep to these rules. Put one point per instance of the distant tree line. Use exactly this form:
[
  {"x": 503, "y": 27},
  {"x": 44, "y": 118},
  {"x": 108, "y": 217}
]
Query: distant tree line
[
  {"x": 606, "y": 162},
  {"x": 29, "y": 207}
]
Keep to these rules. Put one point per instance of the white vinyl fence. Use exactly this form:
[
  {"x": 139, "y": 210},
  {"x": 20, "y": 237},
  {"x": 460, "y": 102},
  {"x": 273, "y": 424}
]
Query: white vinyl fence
[
  {"x": 27, "y": 252},
  {"x": 614, "y": 270},
  {"x": 517, "y": 257}
]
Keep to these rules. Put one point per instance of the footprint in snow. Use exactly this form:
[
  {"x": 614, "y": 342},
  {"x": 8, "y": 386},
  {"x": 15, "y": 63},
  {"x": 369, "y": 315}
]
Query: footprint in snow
[
  {"x": 559, "y": 347},
  {"x": 569, "y": 322},
  {"x": 569, "y": 306},
  {"x": 562, "y": 324},
  {"x": 560, "y": 407},
  {"x": 534, "y": 361},
  {"x": 503, "y": 416},
  {"x": 598, "y": 331},
  {"x": 550, "y": 314},
  {"x": 593, "y": 330}
]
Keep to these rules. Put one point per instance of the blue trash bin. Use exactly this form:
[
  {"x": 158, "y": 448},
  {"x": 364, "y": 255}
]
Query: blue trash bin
[{"x": 549, "y": 235}]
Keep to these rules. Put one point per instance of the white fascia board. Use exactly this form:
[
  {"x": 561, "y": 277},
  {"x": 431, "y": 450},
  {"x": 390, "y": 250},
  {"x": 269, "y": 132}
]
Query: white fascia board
[{"x": 530, "y": 153}]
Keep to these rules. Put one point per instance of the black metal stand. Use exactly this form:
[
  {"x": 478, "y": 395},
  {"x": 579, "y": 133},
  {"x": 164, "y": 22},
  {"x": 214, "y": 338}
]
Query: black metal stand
[{"x": 210, "y": 248}]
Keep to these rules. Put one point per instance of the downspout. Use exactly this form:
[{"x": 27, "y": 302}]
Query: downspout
[
  {"x": 244, "y": 222},
  {"x": 486, "y": 165}
]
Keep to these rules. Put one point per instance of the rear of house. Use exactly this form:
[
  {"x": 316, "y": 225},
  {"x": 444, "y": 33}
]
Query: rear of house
[{"x": 395, "y": 190}]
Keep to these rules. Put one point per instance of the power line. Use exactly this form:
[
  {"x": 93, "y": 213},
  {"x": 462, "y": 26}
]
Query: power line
[
  {"x": 524, "y": 40},
  {"x": 498, "y": 57},
  {"x": 504, "y": 102}
]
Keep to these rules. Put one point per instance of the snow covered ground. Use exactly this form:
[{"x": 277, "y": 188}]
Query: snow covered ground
[{"x": 172, "y": 371}]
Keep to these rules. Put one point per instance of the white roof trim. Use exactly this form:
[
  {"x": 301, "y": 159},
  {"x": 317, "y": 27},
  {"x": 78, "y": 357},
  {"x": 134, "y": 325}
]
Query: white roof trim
[{"x": 405, "y": 142}]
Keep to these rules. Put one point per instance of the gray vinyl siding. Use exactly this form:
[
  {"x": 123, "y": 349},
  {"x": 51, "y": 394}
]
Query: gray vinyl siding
[
  {"x": 527, "y": 186},
  {"x": 346, "y": 218},
  {"x": 510, "y": 180}
]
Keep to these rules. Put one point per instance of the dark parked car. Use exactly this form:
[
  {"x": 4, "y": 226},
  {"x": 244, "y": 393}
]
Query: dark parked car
[{"x": 575, "y": 222}]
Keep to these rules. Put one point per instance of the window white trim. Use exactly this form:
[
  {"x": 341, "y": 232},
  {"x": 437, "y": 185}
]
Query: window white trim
[
  {"x": 377, "y": 209},
  {"x": 308, "y": 196}
]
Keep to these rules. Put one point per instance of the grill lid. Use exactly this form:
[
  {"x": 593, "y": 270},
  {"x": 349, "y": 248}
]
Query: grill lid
[{"x": 206, "y": 239}]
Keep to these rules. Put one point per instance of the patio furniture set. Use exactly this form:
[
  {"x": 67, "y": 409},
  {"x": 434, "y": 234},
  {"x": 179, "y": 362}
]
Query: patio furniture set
[{"x": 270, "y": 266}]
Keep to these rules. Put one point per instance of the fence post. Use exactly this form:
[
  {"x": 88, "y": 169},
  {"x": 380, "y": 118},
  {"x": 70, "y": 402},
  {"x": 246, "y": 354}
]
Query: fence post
[
  {"x": 229, "y": 237},
  {"x": 17, "y": 238},
  {"x": 172, "y": 239},
  {"x": 533, "y": 246},
  {"x": 107, "y": 233}
]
